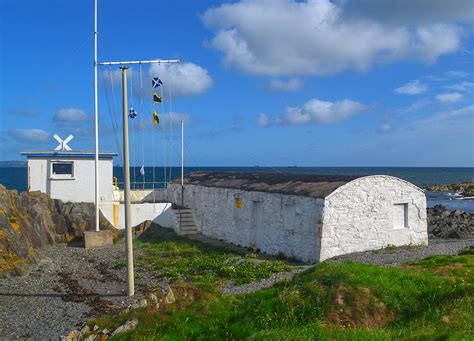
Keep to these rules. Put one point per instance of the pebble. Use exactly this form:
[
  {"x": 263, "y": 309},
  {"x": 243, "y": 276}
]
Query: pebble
[
  {"x": 32, "y": 305},
  {"x": 401, "y": 255}
]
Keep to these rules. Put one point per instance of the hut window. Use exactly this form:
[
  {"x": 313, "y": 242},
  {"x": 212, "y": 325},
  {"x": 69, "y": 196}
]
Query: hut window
[
  {"x": 400, "y": 216},
  {"x": 61, "y": 168}
]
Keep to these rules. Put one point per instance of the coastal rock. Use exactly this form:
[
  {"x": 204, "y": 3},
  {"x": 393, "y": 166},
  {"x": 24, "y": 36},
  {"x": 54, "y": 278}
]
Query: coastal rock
[
  {"x": 464, "y": 188},
  {"x": 169, "y": 298},
  {"x": 443, "y": 223},
  {"x": 126, "y": 327},
  {"x": 80, "y": 217},
  {"x": 31, "y": 220}
]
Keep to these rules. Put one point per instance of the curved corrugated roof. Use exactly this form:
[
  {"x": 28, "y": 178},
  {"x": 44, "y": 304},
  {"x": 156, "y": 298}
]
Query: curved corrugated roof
[{"x": 314, "y": 186}]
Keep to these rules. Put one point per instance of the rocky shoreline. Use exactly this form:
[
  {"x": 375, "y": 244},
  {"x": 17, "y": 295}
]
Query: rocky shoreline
[
  {"x": 464, "y": 188},
  {"x": 444, "y": 223}
]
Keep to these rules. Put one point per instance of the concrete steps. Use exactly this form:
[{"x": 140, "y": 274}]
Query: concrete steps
[{"x": 184, "y": 220}]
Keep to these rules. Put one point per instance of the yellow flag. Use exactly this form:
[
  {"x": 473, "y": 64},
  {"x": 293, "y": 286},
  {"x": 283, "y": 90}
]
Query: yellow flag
[{"x": 156, "y": 120}]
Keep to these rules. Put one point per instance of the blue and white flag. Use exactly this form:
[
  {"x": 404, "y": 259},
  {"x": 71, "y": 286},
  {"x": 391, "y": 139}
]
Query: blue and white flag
[
  {"x": 156, "y": 82},
  {"x": 132, "y": 113}
]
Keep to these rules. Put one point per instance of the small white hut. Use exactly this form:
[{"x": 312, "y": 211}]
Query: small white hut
[
  {"x": 69, "y": 175},
  {"x": 311, "y": 218}
]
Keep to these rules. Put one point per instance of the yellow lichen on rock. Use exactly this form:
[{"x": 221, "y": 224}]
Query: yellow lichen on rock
[
  {"x": 4, "y": 236},
  {"x": 15, "y": 226},
  {"x": 9, "y": 261}
]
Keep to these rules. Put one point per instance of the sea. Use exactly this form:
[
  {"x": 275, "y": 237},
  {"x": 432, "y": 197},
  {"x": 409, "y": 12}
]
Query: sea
[{"x": 16, "y": 178}]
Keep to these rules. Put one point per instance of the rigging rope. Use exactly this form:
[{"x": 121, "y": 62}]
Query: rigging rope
[
  {"x": 171, "y": 129},
  {"x": 140, "y": 136},
  {"x": 117, "y": 140},
  {"x": 115, "y": 111},
  {"x": 162, "y": 131},
  {"x": 133, "y": 131},
  {"x": 153, "y": 154}
]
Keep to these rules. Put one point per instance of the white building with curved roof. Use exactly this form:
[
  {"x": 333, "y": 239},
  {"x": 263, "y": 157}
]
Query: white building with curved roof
[{"x": 311, "y": 218}]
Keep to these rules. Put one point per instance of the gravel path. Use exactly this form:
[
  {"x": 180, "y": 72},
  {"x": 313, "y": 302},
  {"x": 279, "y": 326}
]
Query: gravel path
[
  {"x": 405, "y": 254},
  {"x": 68, "y": 286},
  {"x": 264, "y": 283}
]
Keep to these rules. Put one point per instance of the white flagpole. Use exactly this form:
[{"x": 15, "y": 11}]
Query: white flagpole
[
  {"x": 96, "y": 122},
  {"x": 126, "y": 190},
  {"x": 182, "y": 152}
]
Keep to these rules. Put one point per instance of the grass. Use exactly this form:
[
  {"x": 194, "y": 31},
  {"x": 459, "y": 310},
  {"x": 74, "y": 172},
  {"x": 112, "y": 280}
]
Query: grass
[
  {"x": 428, "y": 299},
  {"x": 179, "y": 258}
]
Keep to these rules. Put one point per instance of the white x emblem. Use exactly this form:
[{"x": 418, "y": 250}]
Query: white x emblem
[{"x": 63, "y": 143}]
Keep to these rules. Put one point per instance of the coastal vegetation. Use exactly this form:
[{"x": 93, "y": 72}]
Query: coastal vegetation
[
  {"x": 179, "y": 258},
  {"x": 431, "y": 298}
]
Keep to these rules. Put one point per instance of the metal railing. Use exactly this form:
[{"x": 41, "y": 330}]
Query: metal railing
[{"x": 143, "y": 185}]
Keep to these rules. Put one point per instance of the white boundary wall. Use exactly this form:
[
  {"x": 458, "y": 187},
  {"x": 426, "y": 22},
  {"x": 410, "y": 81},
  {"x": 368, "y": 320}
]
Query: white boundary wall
[
  {"x": 272, "y": 223},
  {"x": 159, "y": 213},
  {"x": 373, "y": 212}
]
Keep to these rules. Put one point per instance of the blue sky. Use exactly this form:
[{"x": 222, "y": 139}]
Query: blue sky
[{"x": 277, "y": 83}]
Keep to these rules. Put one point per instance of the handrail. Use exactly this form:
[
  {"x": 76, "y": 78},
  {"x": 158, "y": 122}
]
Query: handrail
[{"x": 144, "y": 185}]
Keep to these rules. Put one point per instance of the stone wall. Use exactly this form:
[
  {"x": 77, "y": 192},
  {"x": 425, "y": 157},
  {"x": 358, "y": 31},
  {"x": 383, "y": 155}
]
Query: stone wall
[
  {"x": 272, "y": 223},
  {"x": 368, "y": 213}
]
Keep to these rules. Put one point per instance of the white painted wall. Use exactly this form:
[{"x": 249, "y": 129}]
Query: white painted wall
[
  {"x": 80, "y": 188},
  {"x": 363, "y": 215},
  {"x": 272, "y": 223},
  {"x": 159, "y": 213}
]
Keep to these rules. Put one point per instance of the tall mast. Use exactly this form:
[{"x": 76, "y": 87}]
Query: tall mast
[
  {"x": 126, "y": 165},
  {"x": 182, "y": 153},
  {"x": 96, "y": 122},
  {"x": 126, "y": 190}
]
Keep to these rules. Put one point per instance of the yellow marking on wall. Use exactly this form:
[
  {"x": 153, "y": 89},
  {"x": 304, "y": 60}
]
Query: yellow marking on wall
[
  {"x": 238, "y": 202},
  {"x": 115, "y": 215}
]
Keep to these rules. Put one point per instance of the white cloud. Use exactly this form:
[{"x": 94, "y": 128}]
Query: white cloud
[
  {"x": 167, "y": 120},
  {"x": 434, "y": 41},
  {"x": 185, "y": 79},
  {"x": 463, "y": 86},
  {"x": 287, "y": 37},
  {"x": 411, "y": 88},
  {"x": 175, "y": 118},
  {"x": 452, "y": 97},
  {"x": 414, "y": 107},
  {"x": 443, "y": 116},
  {"x": 292, "y": 84},
  {"x": 23, "y": 112},
  {"x": 31, "y": 135},
  {"x": 459, "y": 74},
  {"x": 263, "y": 120},
  {"x": 69, "y": 115},
  {"x": 409, "y": 12},
  {"x": 386, "y": 127},
  {"x": 314, "y": 111}
]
